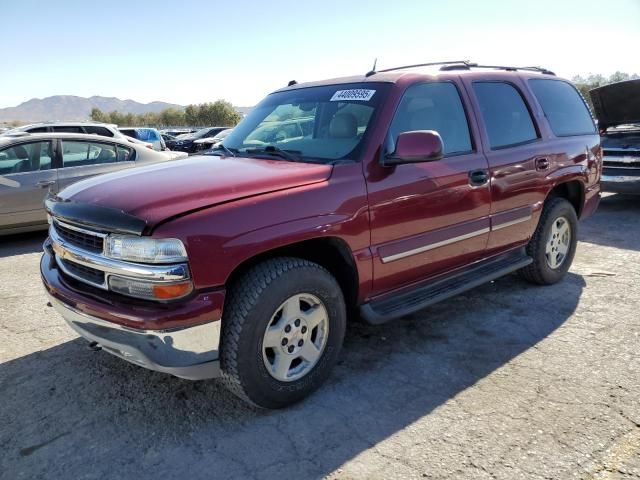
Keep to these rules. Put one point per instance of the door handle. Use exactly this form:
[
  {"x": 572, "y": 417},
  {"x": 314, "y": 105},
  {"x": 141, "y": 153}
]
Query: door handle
[
  {"x": 45, "y": 183},
  {"x": 542, "y": 163},
  {"x": 478, "y": 177}
]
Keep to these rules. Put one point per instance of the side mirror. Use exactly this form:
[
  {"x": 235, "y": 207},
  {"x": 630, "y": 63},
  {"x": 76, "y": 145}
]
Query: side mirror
[{"x": 415, "y": 147}]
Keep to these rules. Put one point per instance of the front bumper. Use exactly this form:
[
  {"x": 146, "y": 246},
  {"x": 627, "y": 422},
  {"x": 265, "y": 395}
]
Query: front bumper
[
  {"x": 180, "y": 338},
  {"x": 190, "y": 352},
  {"x": 621, "y": 183}
]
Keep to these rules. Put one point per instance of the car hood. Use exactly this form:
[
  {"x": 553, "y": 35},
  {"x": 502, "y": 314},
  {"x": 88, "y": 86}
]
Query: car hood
[
  {"x": 617, "y": 103},
  {"x": 160, "y": 191}
]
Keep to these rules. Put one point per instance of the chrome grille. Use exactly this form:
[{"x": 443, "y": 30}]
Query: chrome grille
[
  {"x": 83, "y": 273},
  {"x": 85, "y": 239}
]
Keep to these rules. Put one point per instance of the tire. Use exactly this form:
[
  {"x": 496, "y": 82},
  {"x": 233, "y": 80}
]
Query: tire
[
  {"x": 556, "y": 211},
  {"x": 257, "y": 301}
]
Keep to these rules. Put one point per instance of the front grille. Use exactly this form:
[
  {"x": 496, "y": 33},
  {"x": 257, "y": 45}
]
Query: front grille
[
  {"x": 90, "y": 275},
  {"x": 81, "y": 239}
]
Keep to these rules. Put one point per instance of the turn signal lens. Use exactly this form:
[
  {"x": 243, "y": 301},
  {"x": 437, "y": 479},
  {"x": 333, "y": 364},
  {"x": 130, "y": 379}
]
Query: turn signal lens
[{"x": 167, "y": 292}]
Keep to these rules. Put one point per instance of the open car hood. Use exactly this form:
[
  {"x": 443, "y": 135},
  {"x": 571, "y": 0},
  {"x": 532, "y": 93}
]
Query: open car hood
[{"x": 617, "y": 103}]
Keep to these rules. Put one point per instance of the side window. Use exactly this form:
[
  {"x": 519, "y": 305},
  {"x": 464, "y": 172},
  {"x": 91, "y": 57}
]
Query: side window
[
  {"x": 125, "y": 154},
  {"x": 67, "y": 129},
  {"x": 77, "y": 154},
  {"x": 26, "y": 157},
  {"x": 564, "y": 108},
  {"x": 434, "y": 106},
  {"x": 104, "y": 132},
  {"x": 37, "y": 130},
  {"x": 505, "y": 114}
]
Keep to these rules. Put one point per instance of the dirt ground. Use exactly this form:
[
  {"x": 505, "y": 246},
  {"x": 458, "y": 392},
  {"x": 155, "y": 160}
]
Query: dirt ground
[{"x": 508, "y": 381}]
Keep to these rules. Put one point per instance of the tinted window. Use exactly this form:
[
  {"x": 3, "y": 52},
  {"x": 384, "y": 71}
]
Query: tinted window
[
  {"x": 26, "y": 157},
  {"x": 76, "y": 154},
  {"x": 129, "y": 133},
  {"x": 68, "y": 129},
  {"x": 434, "y": 106},
  {"x": 563, "y": 106},
  {"x": 505, "y": 114},
  {"x": 125, "y": 154},
  {"x": 37, "y": 130},
  {"x": 105, "y": 132}
]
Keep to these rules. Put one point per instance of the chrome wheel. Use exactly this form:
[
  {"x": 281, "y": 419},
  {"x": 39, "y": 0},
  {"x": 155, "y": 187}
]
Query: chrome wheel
[
  {"x": 558, "y": 243},
  {"x": 295, "y": 337}
]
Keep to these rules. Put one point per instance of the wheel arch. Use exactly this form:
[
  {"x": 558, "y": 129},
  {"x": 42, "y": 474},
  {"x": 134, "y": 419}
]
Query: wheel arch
[
  {"x": 332, "y": 253},
  {"x": 573, "y": 191}
]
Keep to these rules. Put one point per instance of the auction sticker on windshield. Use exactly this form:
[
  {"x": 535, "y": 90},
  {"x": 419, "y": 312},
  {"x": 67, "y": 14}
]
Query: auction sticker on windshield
[{"x": 358, "y": 94}]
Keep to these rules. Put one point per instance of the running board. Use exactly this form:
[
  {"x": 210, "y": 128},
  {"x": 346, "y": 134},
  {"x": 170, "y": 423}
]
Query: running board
[{"x": 408, "y": 301}]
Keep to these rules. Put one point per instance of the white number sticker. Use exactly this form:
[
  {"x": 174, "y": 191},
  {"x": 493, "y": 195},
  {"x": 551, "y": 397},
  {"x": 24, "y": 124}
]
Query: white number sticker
[{"x": 360, "y": 95}]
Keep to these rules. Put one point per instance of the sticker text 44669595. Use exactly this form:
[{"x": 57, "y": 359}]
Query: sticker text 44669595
[{"x": 356, "y": 94}]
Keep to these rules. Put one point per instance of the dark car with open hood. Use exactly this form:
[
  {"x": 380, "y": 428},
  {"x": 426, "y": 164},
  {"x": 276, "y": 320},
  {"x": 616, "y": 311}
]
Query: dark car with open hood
[
  {"x": 370, "y": 196},
  {"x": 617, "y": 108}
]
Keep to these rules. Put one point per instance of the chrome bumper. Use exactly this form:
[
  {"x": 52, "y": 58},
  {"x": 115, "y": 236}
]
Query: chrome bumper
[
  {"x": 191, "y": 353},
  {"x": 620, "y": 183}
]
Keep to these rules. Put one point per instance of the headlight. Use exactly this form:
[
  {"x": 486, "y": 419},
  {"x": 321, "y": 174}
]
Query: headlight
[{"x": 145, "y": 249}]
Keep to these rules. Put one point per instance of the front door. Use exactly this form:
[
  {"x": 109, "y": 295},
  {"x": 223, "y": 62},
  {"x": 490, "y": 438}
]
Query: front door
[
  {"x": 429, "y": 218},
  {"x": 27, "y": 173}
]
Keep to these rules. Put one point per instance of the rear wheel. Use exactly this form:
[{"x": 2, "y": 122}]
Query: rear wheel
[
  {"x": 283, "y": 328},
  {"x": 553, "y": 244}
]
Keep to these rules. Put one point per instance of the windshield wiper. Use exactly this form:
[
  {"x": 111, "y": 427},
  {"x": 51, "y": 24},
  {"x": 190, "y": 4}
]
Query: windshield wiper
[
  {"x": 276, "y": 151},
  {"x": 227, "y": 150}
]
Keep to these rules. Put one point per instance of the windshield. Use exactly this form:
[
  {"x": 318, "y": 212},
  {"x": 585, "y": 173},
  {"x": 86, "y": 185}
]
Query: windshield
[{"x": 320, "y": 124}]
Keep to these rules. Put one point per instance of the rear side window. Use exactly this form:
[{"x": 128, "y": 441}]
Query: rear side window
[
  {"x": 68, "y": 129},
  {"x": 130, "y": 133},
  {"x": 37, "y": 130},
  {"x": 505, "y": 114},
  {"x": 125, "y": 154},
  {"x": 102, "y": 131},
  {"x": 77, "y": 154},
  {"x": 564, "y": 108},
  {"x": 434, "y": 106}
]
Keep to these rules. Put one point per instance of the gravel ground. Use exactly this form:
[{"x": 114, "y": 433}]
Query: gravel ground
[{"x": 508, "y": 381}]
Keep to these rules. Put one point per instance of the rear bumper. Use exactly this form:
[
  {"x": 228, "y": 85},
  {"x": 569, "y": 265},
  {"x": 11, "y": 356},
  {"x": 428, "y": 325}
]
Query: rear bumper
[{"x": 190, "y": 352}]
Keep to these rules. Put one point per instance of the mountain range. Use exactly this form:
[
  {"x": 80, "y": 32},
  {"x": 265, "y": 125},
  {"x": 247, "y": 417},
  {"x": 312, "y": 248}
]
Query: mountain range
[{"x": 70, "y": 107}]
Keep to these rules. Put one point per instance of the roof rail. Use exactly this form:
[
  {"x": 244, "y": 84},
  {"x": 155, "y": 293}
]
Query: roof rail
[{"x": 462, "y": 65}]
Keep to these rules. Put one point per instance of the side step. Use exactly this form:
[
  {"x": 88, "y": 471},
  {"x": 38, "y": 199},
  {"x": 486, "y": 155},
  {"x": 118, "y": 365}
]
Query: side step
[{"x": 408, "y": 301}]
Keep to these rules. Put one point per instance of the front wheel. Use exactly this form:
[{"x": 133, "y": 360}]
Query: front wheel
[
  {"x": 283, "y": 328},
  {"x": 553, "y": 244}
]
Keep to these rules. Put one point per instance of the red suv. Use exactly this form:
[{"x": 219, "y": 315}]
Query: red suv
[{"x": 377, "y": 194}]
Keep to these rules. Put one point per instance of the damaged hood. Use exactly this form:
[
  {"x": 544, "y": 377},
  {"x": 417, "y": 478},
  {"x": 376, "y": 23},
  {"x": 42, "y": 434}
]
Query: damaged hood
[{"x": 617, "y": 103}]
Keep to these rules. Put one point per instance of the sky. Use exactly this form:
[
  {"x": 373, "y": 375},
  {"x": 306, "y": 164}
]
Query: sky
[{"x": 194, "y": 51}]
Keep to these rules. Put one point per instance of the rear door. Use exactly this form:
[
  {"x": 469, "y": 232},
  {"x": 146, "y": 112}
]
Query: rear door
[
  {"x": 516, "y": 154},
  {"x": 83, "y": 159},
  {"x": 27, "y": 173}
]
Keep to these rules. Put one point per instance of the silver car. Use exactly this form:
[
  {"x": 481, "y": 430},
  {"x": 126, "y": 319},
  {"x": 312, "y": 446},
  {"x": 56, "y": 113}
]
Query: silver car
[{"x": 31, "y": 165}]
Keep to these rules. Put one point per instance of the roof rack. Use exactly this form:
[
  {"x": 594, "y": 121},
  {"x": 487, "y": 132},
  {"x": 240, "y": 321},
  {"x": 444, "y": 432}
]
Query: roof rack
[{"x": 463, "y": 65}]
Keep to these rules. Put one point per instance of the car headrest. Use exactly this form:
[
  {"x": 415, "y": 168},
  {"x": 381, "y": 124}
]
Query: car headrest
[
  {"x": 343, "y": 125},
  {"x": 20, "y": 151}
]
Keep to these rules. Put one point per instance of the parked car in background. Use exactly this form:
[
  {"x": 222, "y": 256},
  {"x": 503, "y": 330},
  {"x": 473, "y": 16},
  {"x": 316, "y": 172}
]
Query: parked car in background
[
  {"x": 175, "y": 132},
  {"x": 103, "y": 129},
  {"x": 185, "y": 143},
  {"x": 210, "y": 142},
  {"x": 33, "y": 164},
  {"x": 617, "y": 108},
  {"x": 409, "y": 188},
  {"x": 145, "y": 134}
]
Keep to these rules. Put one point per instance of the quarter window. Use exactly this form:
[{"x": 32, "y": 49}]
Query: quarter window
[
  {"x": 76, "y": 154},
  {"x": 26, "y": 157},
  {"x": 434, "y": 106},
  {"x": 505, "y": 114},
  {"x": 563, "y": 106},
  {"x": 102, "y": 131},
  {"x": 125, "y": 154}
]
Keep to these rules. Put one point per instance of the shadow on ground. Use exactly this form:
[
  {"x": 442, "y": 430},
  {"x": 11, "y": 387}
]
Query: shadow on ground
[
  {"x": 68, "y": 412},
  {"x": 616, "y": 217},
  {"x": 21, "y": 244}
]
